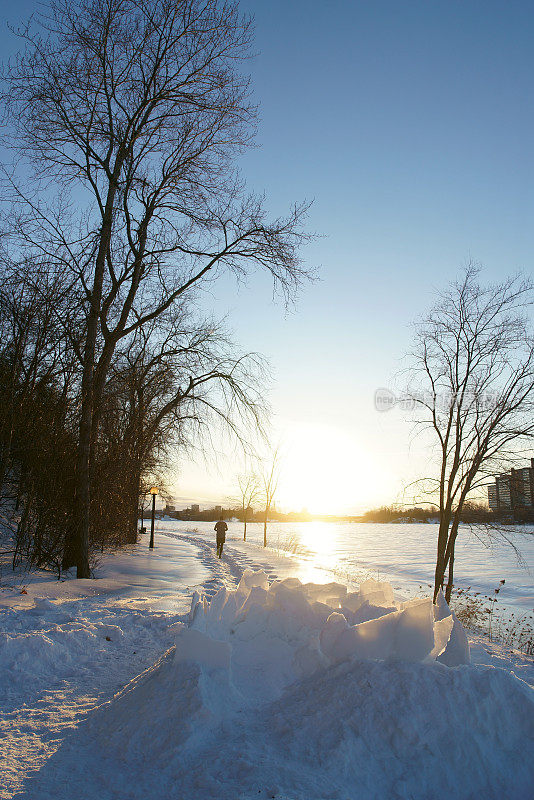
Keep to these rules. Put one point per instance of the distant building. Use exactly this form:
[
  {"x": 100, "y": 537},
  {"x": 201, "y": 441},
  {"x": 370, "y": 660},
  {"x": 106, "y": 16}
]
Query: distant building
[
  {"x": 195, "y": 508},
  {"x": 522, "y": 486},
  {"x": 493, "y": 497},
  {"x": 170, "y": 508},
  {"x": 504, "y": 491},
  {"x": 218, "y": 509},
  {"x": 513, "y": 492}
]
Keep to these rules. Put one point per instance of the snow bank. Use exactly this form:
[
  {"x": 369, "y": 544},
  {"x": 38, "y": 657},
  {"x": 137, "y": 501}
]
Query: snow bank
[
  {"x": 375, "y": 729},
  {"x": 192, "y": 645},
  {"x": 306, "y": 692},
  {"x": 41, "y": 657},
  {"x": 50, "y": 642}
]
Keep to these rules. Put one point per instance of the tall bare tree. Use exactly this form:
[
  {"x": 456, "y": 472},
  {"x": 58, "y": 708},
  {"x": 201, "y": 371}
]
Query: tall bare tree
[
  {"x": 135, "y": 110},
  {"x": 473, "y": 379},
  {"x": 269, "y": 478},
  {"x": 249, "y": 493}
]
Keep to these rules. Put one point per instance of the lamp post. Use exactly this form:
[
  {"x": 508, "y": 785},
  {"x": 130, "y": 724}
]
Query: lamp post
[{"x": 154, "y": 491}]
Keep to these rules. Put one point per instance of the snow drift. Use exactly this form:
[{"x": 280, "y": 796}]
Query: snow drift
[
  {"x": 309, "y": 692},
  {"x": 317, "y": 625}
]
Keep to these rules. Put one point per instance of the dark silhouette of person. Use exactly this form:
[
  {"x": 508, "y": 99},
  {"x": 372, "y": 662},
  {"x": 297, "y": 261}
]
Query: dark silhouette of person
[{"x": 220, "y": 527}]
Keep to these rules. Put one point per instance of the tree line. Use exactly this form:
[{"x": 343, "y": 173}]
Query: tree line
[
  {"x": 121, "y": 205},
  {"x": 471, "y": 511}
]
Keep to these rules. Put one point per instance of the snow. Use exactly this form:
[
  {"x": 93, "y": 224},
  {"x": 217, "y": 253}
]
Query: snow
[
  {"x": 402, "y": 555},
  {"x": 177, "y": 674},
  {"x": 191, "y": 645}
]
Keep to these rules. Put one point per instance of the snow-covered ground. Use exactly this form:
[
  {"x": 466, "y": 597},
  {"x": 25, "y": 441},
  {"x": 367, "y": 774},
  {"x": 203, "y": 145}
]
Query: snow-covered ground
[
  {"x": 263, "y": 687},
  {"x": 403, "y": 554}
]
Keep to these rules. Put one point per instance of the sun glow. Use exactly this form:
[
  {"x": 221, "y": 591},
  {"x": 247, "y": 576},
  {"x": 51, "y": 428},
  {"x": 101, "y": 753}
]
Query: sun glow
[{"x": 324, "y": 470}]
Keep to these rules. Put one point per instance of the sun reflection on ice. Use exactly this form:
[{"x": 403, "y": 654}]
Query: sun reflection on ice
[{"x": 318, "y": 552}]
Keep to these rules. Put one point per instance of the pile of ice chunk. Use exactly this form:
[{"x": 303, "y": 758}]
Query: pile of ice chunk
[{"x": 286, "y": 630}]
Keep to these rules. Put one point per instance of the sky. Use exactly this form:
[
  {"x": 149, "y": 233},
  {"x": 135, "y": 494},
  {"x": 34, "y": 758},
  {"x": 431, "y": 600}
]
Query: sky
[{"x": 410, "y": 126}]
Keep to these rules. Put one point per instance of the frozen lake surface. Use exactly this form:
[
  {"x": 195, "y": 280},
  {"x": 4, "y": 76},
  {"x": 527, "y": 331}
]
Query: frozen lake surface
[{"x": 403, "y": 554}]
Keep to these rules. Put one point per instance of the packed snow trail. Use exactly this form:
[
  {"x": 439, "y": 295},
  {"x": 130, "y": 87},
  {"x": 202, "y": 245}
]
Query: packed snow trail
[
  {"x": 62, "y": 654},
  {"x": 230, "y": 568},
  {"x": 259, "y": 695},
  {"x": 61, "y": 660}
]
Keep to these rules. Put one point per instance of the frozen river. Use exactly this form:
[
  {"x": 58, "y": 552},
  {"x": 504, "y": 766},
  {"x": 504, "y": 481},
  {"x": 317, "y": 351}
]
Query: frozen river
[{"x": 401, "y": 554}]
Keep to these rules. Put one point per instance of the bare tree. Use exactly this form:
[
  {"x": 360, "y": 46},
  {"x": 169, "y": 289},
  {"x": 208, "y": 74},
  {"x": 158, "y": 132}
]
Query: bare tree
[
  {"x": 177, "y": 380},
  {"x": 249, "y": 493},
  {"x": 269, "y": 478},
  {"x": 473, "y": 378},
  {"x": 138, "y": 107}
]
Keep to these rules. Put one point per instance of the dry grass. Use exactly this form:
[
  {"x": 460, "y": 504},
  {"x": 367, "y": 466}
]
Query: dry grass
[
  {"x": 484, "y": 614},
  {"x": 290, "y": 543}
]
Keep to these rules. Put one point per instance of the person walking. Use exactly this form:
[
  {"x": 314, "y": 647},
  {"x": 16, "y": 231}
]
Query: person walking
[{"x": 220, "y": 527}]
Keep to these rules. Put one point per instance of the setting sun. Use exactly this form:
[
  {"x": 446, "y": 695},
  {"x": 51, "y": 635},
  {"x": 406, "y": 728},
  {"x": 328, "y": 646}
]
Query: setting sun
[{"x": 325, "y": 470}]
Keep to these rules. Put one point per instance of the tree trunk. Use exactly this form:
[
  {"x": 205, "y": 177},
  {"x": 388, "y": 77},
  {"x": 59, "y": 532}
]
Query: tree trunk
[
  {"x": 23, "y": 524},
  {"x": 245, "y": 528},
  {"x": 79, "y": 546},
  {"x": 21, "y": 483},
  {"x": 443, "y": 536},
  {"x": 449, "y": 553},
  {"x": 265, "y": 529},
  {"x": 7, "y": 435},
  {"x": 135, "y": 492},
  {"x": 5, "y": 453},
  {"x": 450, "y": 584}
]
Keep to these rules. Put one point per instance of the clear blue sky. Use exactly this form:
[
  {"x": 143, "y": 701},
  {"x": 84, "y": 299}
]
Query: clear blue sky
[{"x": 411, "y": 125}]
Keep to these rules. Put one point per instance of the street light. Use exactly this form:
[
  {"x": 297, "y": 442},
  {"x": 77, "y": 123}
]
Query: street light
[{"x": 154, "y": 491}]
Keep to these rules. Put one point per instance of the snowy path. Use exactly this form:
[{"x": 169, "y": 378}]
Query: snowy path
[
  {"x": 62, "y": 670},
  {"x": 228, "y": 570},
  {"x": 62, "y": 657}
]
